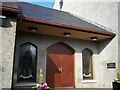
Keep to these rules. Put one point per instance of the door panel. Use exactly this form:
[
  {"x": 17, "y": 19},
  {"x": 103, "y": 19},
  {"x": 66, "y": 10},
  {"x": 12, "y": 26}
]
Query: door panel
[
  {"x": 53, "y": 76},
  {"x": 68, "y": 70},
  {"x": 60, "y": 66}
]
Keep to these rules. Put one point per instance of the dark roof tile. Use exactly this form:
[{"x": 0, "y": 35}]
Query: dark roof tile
[
  {"x": 52, "y": 15},
  {"x": 10, "y": 7},
  {"x": 10, "y": 4}
]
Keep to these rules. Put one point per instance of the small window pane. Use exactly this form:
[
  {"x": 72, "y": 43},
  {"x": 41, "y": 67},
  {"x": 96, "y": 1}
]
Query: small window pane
[
  {"x": 87, "y": 64},
  {"x": 27, "y": 61}
]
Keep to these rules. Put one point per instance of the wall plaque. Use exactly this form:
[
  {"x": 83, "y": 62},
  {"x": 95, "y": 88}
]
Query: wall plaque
[{"x": 111, "y": 65}]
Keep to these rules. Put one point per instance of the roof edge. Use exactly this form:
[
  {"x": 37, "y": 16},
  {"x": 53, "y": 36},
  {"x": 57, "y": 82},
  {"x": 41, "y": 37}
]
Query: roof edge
[
  {"x": 11, "y": 9},
  {"x": 69, "y": 26}
]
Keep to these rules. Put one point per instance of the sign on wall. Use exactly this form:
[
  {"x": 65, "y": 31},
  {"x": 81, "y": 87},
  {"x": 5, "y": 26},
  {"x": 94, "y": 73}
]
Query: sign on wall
[{"x": 111, "y": 65}]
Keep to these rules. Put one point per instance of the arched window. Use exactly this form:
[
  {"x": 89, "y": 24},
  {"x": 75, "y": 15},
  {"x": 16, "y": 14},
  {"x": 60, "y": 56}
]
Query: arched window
[
  {"x": 87, "y": 64},
  {"x": 27, "y": 63},
  {"x": 61, "y": 4}
]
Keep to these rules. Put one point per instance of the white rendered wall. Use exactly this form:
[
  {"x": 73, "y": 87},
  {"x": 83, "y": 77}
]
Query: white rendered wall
[
  {"x": 104, "y": 13},
  {"x": 119, "y": 36}
]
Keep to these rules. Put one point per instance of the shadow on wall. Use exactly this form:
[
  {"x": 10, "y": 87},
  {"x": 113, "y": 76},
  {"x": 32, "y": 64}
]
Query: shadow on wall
[
  {"x": 6, "y": 23},
  {"x": 103, "y": 44}
]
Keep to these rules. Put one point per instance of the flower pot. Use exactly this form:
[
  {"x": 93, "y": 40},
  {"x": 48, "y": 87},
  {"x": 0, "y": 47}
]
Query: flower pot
[{"x": 116, "y": 86}]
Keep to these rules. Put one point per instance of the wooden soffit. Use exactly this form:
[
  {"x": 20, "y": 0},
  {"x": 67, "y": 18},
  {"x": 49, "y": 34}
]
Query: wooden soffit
[{"x": 55, "y": 29}]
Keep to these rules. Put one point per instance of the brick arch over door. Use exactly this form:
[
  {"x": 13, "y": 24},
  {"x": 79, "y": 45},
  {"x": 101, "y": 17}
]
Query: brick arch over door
[{"x": 60, "y": 65}]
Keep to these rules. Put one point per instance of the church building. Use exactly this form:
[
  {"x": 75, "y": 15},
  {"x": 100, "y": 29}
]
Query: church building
[{"x": 75, "y": 44}]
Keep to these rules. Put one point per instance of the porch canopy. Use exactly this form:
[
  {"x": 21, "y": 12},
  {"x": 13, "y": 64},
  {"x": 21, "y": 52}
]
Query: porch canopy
[
  {"x": 53, "y": 22},
  {"x": 9, "y": 8}
]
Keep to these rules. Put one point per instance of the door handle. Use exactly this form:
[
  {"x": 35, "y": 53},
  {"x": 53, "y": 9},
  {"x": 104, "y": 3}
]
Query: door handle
[{"x": 60, "y": 69}]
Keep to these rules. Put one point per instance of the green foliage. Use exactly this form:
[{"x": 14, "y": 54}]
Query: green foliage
[
  {"x": 38, "y": 88},
  {"x": 41, "y": 77},
  {"x": 117, "y": 74}
]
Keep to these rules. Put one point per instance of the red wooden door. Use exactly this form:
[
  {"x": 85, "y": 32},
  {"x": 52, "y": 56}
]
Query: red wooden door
[{"x": 60, "y": 66}]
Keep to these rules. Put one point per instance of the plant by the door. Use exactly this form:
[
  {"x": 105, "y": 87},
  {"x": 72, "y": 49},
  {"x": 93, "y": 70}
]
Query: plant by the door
[
  {"x": 41, "y": 85},
  {"x": 117, "y": 79}
]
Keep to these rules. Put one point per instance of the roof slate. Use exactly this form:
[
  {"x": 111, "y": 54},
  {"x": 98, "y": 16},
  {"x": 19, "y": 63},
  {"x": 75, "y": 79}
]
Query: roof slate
[
  {"x": 52, "y": 15},
  {"x": 56, "y": 16},
  {"x": 10, "y": 4}
]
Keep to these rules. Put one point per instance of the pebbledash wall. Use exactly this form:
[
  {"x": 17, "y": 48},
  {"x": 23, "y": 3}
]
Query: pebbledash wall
[
  {"x": 0, "y": 57},
  {"x": 104, "y": 13},
  {"x": 7, "y": 43}
]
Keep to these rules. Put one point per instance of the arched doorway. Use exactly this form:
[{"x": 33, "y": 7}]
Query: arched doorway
[{"x": 60, "y": 65}]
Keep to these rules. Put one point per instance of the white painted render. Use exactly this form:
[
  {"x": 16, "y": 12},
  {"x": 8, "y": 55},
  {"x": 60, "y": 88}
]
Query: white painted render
[
  {"x": 105, "y": 14},
  {"x": 119, "y": 36}
]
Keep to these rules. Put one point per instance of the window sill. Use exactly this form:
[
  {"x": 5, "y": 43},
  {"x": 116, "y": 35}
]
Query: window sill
[
  {"x": 89, "y": 81},
  {"x": 26, "y": 84}
]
